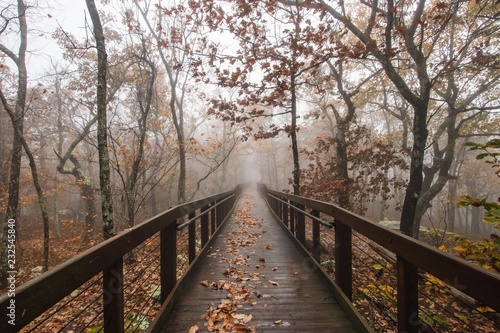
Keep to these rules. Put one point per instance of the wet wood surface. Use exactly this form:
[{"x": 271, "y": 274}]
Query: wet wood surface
[{"x": 254, "y": 279}]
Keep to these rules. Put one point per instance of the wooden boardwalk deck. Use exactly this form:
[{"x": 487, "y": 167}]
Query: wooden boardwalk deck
[{"x": 254, "y": 279}]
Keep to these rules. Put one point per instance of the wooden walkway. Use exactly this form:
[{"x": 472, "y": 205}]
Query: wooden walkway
[{"x": 254, "y": 279}]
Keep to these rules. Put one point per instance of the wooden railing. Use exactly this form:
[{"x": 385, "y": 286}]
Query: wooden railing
[
  {"x": 412, "y": 258},
  {"x": 43, "y": 302}
]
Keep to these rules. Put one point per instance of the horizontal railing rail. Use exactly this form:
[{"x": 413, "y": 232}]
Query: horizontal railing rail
[
  {"x": 100, "y": 270},
  {"x": 412, "y": 259}
]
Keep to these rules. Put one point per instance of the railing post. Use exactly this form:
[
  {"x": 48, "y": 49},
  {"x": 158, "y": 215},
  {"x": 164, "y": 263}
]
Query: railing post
[
  {"x": 218, "y": 214},
  {"x": 284, "y": 219},
  {"x": 204, "y": 227},
  {"x": 316, "y": 247},
  {"x": 225, "y": 209},
  {"x": 292, "y": 218},
  {"x": 168, "y": 257},
  {"x": 343, "y": 258},
  {"x": 213, "y": 218},
  {"x": 407, "y": 296},
  {"x": 192, "y": 237},
  {"x": 278, "y": 207},
  {"x": 113, "y": 297},
  {"x": 301, "y": 225}
]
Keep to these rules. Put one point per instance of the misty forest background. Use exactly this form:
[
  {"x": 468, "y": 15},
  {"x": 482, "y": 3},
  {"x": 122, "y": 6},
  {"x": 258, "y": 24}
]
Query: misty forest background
[{"x": 387, "y": 108}]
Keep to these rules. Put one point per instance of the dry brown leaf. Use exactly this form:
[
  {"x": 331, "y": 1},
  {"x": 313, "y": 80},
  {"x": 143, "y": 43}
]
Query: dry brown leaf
[
  {"x": 278, "y": 322},
  {"x": 274, "y": 283},
  {"x": 193, "y": 329},
  {"x": 204, "y": 283},
  {"x": 239, "y": 328},
  {"x": 269, "y": 247}
]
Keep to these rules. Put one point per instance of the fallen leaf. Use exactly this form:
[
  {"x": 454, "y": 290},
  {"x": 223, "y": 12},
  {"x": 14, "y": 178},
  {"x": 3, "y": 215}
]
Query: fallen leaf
[
  {"x": 278, "y": 322},
  {"x": 193, "y": 329},
  {"x": 204, "y": 283},
  {"x": 240, "y": 328},
  {"x": 269, "y": 247},
  {"x": 275, "y": 269},
  {"x": 274, "y": 283}
]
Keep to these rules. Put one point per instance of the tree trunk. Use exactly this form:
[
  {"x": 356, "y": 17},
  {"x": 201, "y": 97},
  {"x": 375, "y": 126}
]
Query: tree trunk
[
  {"x": 342, "y": 166},
  {"x": 56, "y": 221},
  {"x": 145, "y": 102},
  {"x": 181, "y": 192},
  {"x": 36, "y": 182},
  {"x": 87, "y": 193},
  {"x": 102, "y": 135},
  {"x": 451, "y": 206},
  {"x": 414, "y": 187},
  {"x": 17, "y": 122},
  {"x": 475, "y": 221},
  {"x": 293, "y": 136}
]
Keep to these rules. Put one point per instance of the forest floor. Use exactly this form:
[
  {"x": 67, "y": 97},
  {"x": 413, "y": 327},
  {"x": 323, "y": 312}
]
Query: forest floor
[{"x": 29, "y": 251}]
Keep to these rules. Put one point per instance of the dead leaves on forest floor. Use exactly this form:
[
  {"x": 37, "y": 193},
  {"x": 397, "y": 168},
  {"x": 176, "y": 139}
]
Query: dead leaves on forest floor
[{"x": 232, "y": 312}]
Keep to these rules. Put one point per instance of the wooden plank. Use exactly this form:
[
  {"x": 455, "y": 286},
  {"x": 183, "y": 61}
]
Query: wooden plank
[
  {"x": 407, "y": 296},
  {"x": 284, "y": 218},
  {"x": 168, "y": 258},
  {"x": 113, "y": 298},
  {"x": 168, "y": 305},
  {"x": 316, "y": 247},
  {"x": 213, "y": 224},
  {"x": 343, "y": 258},
  {"x": 460, "y": 274},
  {"x": 192, "y": 238},
  {"x": 296, "y": 296},
  {"x": 205, "y": 235},
  {"x": 40, "y": 294},
  {"x": 301, "y": 225}
]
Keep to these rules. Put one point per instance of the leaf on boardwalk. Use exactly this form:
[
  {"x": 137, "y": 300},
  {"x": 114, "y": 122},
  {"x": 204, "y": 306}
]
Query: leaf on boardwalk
[
  {"x": 274, "y": 283},
  {"x": 239, "y": 284},
  {"x": 193, "y": 329}
]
